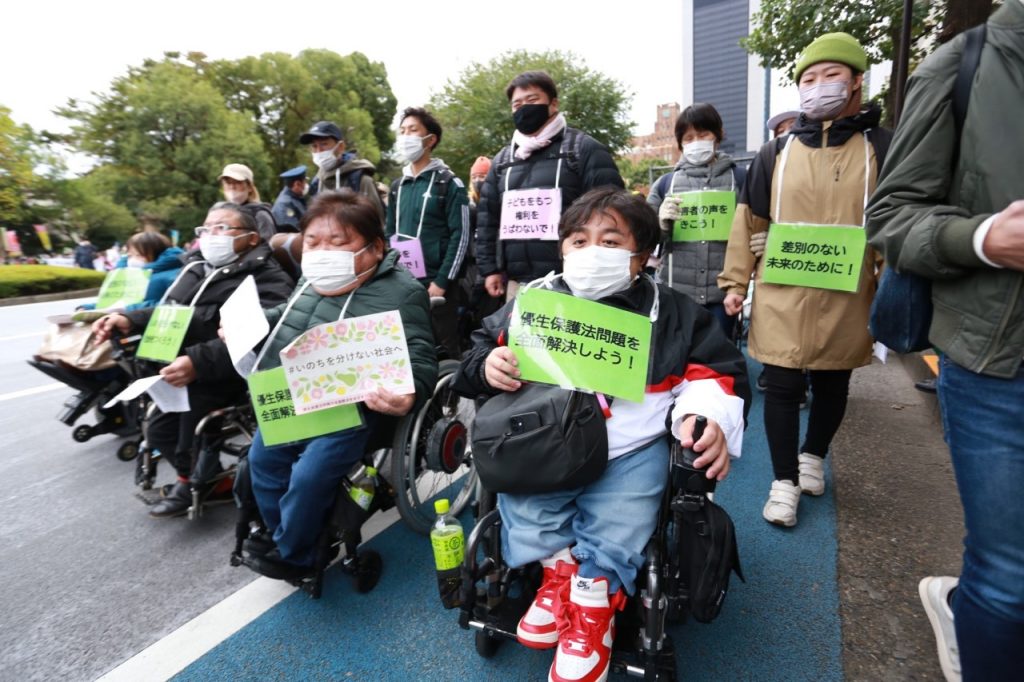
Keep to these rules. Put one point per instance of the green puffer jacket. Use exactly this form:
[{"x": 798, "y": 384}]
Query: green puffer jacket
[
  {"x": 390, "y": 288},
  {"x": 925, "y": 211}
]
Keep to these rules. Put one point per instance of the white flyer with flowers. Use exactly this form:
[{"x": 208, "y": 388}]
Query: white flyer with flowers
[{"x": 344, "y": 361}]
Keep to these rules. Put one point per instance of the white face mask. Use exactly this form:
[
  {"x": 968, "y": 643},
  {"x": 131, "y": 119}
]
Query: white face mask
[
  {"x": 824, "y": 101},
  {"x": 329, "y": 271},
  {"x": 136, "y": 262},
  {"x": 699, "y": 152},
  {"x": 409, "y": 148},
  {"x": 323, "y": 158},
  {"x": 219, "y": 249},
  {"x": 594, "y": 272},
  {"x": 237, "y": 196}
]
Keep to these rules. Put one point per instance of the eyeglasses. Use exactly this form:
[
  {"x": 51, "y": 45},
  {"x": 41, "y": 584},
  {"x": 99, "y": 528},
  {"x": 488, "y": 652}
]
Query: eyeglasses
[{"x": 216, "y": 229}]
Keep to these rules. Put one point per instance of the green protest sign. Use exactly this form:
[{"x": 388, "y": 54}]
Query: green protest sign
[
  {"x": 819, "y": 256},
  {"x": 575, "y": 343},
  {"x": 275, "y": 411},
  {"x": 123, "y": 287},
  {"x": 166, "y": 330},
  {"x": 704, "y": 216}
]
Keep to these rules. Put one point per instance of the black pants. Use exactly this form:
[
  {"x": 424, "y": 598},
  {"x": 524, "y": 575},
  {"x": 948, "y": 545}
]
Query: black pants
[
  {"x": 173, "y": 433},
  {"x": 783, "y": 392}
]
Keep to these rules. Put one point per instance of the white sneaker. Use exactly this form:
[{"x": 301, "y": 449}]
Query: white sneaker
[
  {"x": 780, "y": 508},
  {"x": 934, "y": 591},
  {"x": 812, "y": 474}
]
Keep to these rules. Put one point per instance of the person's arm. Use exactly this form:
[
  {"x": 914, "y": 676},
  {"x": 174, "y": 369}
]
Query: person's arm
[
  {"x": 753, "y": 215},
  {"x": 493, "y": 332},
  {"x": 457, "y": 220},
  {"x": 415, "y": 312},
  {"x": 908, "y": 217},
  {"x": 599, "y": 169},
  {"x": 715, "y": 384}
]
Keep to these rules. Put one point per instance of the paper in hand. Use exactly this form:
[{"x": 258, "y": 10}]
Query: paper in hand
[
  {"x": 168, "y": 398},
  {"x": 243, "y": 322}
]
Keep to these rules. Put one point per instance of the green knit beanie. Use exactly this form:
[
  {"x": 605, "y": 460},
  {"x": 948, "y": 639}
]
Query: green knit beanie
[{"x": 833, "y": 47}]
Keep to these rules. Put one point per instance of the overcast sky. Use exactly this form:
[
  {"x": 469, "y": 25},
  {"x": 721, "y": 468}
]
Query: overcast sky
[{"x": 58, "y": 49}]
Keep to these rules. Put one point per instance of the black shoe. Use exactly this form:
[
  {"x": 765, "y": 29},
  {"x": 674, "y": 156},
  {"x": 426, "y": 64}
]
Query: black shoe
[
  {"x": 176, "y": 503},
  {"x": 926, "y": 386},
  {"x": 258, "y": 545},
  {"x": 273, "y": 566}
]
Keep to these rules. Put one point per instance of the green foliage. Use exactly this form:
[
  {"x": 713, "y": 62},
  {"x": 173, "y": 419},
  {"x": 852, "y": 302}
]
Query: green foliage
[
  {"x": 92, "y": 210},
  {"x": 165, "y": 132},
  {"x": 28, "y": 280},
  {"x": 477, "y": 119},
  {"x": 285, "y": 95},
  {"x": 16, "y": 175},
  {"x": 783, "y": 28},
  {"x": 637, "y": 174}
]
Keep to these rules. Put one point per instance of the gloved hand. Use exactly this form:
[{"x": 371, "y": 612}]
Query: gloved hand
[
  {"x": 757, "y": 241},
  {"x": 668, "y": 214}
]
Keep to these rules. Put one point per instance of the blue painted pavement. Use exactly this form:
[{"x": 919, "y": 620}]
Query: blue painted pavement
[{"x": 783, "y": 623}]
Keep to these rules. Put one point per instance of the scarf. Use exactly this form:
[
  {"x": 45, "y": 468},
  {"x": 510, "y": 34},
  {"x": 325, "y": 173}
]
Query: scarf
[{"x": 525, "y": 145}]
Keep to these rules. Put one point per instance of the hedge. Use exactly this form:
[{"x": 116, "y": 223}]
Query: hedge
[{"x": 28, "y": 280}]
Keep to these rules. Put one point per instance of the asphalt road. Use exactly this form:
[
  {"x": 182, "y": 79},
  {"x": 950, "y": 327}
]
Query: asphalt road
[{"x": 87, "y": 579}]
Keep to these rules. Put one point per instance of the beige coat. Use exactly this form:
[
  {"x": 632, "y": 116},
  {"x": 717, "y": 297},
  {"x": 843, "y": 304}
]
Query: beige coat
[{"x": 802, "y": 327}]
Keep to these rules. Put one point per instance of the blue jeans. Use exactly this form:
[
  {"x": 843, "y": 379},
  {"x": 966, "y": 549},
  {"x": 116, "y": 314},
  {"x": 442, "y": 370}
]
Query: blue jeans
[
  {"x": 295, "y": 486},
  {"x": 983, "y": 419},
  {"x": 610, "y": 520}
]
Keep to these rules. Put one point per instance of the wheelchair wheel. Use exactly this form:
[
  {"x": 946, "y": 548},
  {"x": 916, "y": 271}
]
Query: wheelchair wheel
[
  {"x": 486, "y": 646},
  {"x": 431, "y": 454},
  {"x": 128, "y": 451},
  {"x": 82, "y": 433}
]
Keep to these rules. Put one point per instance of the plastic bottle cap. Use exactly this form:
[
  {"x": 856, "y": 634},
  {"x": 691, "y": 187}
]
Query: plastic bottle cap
[
  {"x": 371, "y": 471},
  {"x": 441, "y": 506}
]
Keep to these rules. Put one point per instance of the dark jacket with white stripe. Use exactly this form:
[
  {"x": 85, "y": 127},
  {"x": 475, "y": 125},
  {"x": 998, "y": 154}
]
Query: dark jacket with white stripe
[{"x": 445, "y": 230}]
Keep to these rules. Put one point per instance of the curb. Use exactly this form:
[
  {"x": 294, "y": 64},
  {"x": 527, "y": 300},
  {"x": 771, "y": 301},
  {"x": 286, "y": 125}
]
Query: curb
[{"x": 43, "y": 298}]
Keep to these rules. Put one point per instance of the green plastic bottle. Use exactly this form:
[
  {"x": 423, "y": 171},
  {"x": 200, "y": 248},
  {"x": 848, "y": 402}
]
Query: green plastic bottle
[
  {"x": 449, "y": 543},
  {"x": 363, "y": 492}
]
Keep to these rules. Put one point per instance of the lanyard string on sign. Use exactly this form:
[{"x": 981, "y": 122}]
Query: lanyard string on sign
[
  {"x": 558, "y": 168},
  {"x": 423, "y": 209},
  {"x": 782, "y": 174}
]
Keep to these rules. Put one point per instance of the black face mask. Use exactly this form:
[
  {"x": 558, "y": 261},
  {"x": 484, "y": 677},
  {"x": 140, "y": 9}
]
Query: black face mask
[{"x": 530, "y": 117}]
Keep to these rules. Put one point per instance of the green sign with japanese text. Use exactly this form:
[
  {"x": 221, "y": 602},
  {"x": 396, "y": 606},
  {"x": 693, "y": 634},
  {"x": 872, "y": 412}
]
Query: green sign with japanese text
[
  {"x": 704, "y": 216},
  {"x": 165, "y": 332},
  {"x": 275, "y": 411},
  {"x": 575, "y": 343},
  {"x": 819, "y": 256},
  {"x": 123, "y": 287}
]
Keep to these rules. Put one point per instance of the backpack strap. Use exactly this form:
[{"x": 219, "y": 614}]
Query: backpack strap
[
  {"x": 969, "y": 61},
  {"x": 354, "y": 180},
  {"x": 739, "y": 176},
  {"x": 572, "y": 148},
  {"x": 665, "y": 183}
]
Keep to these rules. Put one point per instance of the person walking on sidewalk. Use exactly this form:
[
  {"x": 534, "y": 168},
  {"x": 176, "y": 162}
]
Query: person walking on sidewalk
[
  {"x": 820, "y": 174},
  {"x": 950, "y": 209},
  {"x": 702, "y": 171}
]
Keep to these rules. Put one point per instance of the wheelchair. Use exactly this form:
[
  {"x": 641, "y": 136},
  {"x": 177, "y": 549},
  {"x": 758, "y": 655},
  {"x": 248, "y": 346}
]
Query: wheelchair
[
  {"x": 342, "y": 528},
  {"x": 228, "y": 431},
  {"x": 94, "y": 389},
  {"x": 493, "y": 596}
]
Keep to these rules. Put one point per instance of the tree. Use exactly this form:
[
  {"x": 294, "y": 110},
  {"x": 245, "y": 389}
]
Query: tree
[
  {"x": 285, "y": 95},
  {"x": 16, "y": 168},
  {"x": 477, "y": 119},
  {"x": 637, "y": 174},
  {"x": 163, "y": 133},
  {"x": 783, "y": 28}
]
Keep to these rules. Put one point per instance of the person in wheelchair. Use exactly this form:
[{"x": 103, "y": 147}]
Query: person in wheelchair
[
  {"x": 590, "y": 540},
  {"x": 349, "y": 271},
  {"x": 230, "y": 249}
]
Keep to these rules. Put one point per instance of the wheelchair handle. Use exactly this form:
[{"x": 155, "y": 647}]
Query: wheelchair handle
[{"x": 689, "y": 456}]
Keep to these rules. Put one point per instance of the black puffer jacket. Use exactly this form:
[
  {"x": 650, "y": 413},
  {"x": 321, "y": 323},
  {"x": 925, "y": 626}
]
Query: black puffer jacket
[
  {"x": 586, "y": 164},
  {"x": 209, "y": 355}
]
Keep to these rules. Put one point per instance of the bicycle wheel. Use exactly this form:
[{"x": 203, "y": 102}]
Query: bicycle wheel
[{"x": 431, "y": 455}]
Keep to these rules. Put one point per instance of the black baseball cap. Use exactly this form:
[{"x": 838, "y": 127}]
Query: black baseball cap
[{"x": 321, "y": 129}]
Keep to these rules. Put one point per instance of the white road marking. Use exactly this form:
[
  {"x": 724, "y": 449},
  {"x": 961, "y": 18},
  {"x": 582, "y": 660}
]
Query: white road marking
[
  {"x": 186, "y": 645},
  {"x": 45, "y": 388}
]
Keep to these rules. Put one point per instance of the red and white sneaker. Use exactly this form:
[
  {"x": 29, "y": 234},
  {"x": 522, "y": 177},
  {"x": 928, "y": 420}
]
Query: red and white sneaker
[
  {"x": 537, "y": 626},
  {"x": 586, "y": 630}
]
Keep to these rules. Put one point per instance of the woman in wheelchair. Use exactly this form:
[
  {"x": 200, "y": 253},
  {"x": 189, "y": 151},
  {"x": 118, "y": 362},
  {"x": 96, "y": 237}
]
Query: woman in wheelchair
[
  {"x": 348, "y": 272},
  {"x": 590, "y": 540}
]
